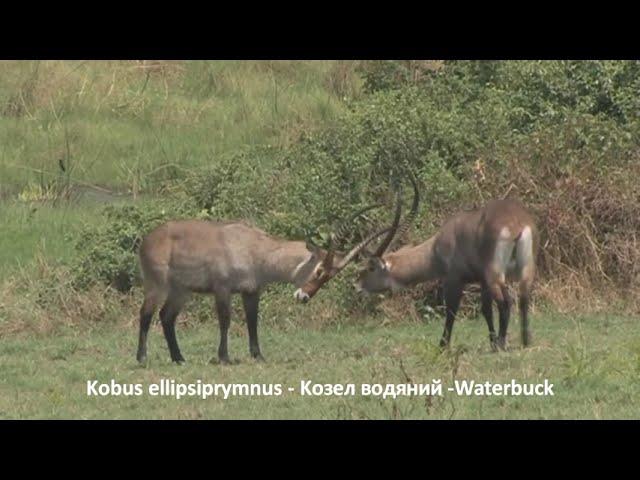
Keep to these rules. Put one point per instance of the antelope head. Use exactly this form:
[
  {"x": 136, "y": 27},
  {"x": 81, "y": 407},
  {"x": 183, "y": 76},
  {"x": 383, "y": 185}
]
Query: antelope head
[
  {"x": 333, "y": 263},
  {"x": 376, "y": 276},
  {"x": 319, "y": 275}
]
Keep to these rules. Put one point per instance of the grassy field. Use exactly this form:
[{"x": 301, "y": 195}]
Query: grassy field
[
  {"x": 32, "y": 229},
  {"x": 132, "y": 132},
  {"x": 124, "y": 128},
  {"x": 126, "y": 124},
  {"x": 593, "y": 362}
]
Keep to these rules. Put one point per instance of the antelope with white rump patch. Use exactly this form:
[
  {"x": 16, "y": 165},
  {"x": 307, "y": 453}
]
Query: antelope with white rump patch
[{"x": 490, "y": 246}]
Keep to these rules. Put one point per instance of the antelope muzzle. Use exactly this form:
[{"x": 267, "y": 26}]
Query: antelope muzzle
[{"x": 309, "y": 289}]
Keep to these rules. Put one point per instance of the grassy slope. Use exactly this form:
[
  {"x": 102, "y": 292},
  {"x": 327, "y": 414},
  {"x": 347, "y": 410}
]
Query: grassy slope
[
  {"x": 594, "y": 363},
  {"x": 120, "y": 126},
  {"x": 125, "y": 132},
  {"x": 111, "y": 126},
  {"x": 31, "y": 229}
]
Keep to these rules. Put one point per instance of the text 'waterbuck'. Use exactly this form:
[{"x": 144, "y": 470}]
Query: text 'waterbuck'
[
  {"x": 197, "y": 256},
  {"x": 490, "y": 246}
]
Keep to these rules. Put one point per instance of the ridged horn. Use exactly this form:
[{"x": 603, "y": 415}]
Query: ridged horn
[
  {"x": 394, "y": 226},
  {"x": 411, "y": 216}
]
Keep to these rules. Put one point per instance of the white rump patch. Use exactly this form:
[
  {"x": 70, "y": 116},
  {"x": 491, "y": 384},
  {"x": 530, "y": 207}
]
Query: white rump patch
[
  {"x": 524, "y": 251},
  {"x": 503, "y": 253}
]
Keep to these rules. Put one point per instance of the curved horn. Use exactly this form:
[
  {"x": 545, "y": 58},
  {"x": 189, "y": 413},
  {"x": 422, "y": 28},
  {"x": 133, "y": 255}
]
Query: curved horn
[
  {"x": 394, "y": 226},
  {"x": 388, "y": 230},
  {"x": 360, "y": 246},
  {"x": 328, "y": 260},
  {"x": 402, "y": 229},
  {"x": 346, "y": 226},
  {"x": 336, "y": 238}
]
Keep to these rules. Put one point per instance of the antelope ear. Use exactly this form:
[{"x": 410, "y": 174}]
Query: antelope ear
[
  {"x": 328, "y": 260},
  {"x": 314, "y": 249},
  {"x": 377, "y": 262},
  {"x": 370, "y": 251},
  {"x": 338, "y": 257},
  {"x": 367, "y": 253}
]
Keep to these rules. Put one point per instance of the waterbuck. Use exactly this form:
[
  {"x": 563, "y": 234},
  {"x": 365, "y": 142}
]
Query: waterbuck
[
  {"x": 489, "y": 246},
  {"x": 220, "y": 258}
]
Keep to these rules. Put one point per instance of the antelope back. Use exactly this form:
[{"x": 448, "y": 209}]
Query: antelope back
[{"x": 202, "y": 256}]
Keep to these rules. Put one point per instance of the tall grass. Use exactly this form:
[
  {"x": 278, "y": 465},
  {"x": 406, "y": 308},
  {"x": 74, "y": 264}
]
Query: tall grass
[
  {"x": 32, "y": 228},
  {"x": 120, "y": 123},
  {"x": 129, "y": 126}
]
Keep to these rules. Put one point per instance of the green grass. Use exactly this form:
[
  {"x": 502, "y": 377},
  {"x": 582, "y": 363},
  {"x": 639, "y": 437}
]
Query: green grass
[
  {"x": 593, "y": 362},
  {"x": 35, "y": 228},
  {"x": 46, "y": 229},
  {"x": 131, "y": 127},
  {"x": 117, "y": 123}
]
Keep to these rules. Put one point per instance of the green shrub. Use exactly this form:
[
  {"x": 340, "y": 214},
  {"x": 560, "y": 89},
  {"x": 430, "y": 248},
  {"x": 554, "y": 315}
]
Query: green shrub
[
  {"x": 108, "y": 254},
  {"x": 532, "y": 92},
  {"x": 238, "y": 186},
  {"x": 469, "y": 130}
]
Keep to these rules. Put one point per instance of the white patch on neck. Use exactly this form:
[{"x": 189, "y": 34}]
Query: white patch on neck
[
  {"x": 394, "y": 285},
  {"x": 299, "y": 267}
]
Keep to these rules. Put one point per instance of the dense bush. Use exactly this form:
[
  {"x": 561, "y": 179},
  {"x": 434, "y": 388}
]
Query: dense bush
[
  {"x": 548, "y": 132},
  {"x": 238, "y": 186},
  {"x": 108, "y": 254},
  {"x": 578, "y": 180}
]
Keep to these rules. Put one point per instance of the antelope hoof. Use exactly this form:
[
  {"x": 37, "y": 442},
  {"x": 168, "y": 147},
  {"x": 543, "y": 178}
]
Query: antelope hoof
[
  {"x": 177, "y": 358},
  {"x": 501, "y": 344},
  {"x": 444, "y": 344},
  {"x": 259, "y": 358},
  {"x": 493, "y": 340}
]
